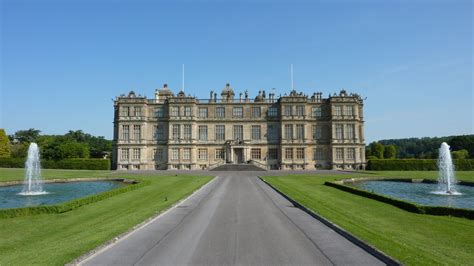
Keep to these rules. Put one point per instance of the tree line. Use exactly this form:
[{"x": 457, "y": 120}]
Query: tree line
[
  {"x": 74, "y": 144},
  {"x": 462, "y": 147}
]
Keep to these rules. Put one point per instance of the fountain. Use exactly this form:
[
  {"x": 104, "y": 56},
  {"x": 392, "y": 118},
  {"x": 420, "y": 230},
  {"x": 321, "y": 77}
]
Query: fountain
[
  {"x": 446, "y": 178},
  {"x": 26, "y": 195},
  {"x": 33, "y": 183}
]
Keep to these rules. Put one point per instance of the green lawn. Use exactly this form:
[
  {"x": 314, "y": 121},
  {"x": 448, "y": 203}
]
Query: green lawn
[
  {"x": 9, "y": 174},
  {"x": 59, "y": 238},
  {"x": 414, "y": 239}
]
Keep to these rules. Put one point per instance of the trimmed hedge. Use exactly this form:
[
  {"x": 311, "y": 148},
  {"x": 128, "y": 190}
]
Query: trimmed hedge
[
  {"x": 69, "y": 205},
  {"x": 405, "y": 205},
  {"x": 416, "y": 164},
  {"x": 78, "y": 164}
]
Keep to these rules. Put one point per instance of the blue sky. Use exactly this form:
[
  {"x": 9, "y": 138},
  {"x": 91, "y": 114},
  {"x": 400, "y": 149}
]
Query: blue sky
[{"x": 63, "y": 61}]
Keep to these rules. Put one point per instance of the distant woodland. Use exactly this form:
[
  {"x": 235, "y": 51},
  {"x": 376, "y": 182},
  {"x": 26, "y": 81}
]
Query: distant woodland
[
  {"x": 75, "y": 144},
  {"x": 462, "y": 147}
]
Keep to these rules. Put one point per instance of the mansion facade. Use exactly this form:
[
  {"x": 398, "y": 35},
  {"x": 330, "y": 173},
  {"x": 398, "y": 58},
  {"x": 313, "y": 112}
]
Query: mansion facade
[{"x": 286, "y": 132}]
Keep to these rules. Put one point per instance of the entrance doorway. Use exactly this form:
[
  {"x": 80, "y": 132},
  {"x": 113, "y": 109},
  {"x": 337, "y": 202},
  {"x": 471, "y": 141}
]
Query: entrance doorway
[{"x": 239, "y": 155}]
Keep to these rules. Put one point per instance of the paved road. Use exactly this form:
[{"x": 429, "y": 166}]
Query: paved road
[{"x": 235, "y": 220}]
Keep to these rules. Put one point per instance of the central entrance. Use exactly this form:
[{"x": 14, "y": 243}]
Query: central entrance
[{"x": 239, "y": 155}]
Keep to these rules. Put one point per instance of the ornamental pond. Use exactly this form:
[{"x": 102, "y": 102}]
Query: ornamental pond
[
  {"x": 11, "y": 196},
  {"x": 420, "y": 193}
]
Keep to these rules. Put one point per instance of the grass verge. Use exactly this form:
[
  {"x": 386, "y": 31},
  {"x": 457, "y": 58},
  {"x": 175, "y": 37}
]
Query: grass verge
[
  {"x": 56, "y": 239},
  {"x": 409, "y": 237}
]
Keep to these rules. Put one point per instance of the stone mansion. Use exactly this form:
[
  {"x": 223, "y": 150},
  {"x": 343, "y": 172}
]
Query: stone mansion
[{"x": 293, "y": 131}]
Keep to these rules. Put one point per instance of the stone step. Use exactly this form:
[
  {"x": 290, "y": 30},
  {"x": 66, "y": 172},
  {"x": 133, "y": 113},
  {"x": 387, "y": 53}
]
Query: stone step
[{"x": 238, "y": 167}]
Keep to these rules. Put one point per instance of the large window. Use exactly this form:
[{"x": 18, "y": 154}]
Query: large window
[
  {"x": 220, "y": 112},
  {"x": 317, "y": 132},
  {"x": 288, "y": 153},
  {"x": 351, "y": 153},
  {"x": 339, "y": 153},
  {"x": 174, "y": 111},
  {"x": 288, "y": 131},
  {"x": 136, "y": 132},
  {"x": 220, "y": 154},
  {"x": 159, "y": 111},
  {"x": 256, "y": 133},
  {"x": 220, "y": 132},
  {"x": 255, "y": 154},
  {"x": 158, "y": 154},
  {"x": 187, "y": 132},
  {"x": 338, "y": 110},
  {"x": 273, "y": 154},
  {"x": 124, "y": 111},
  {"x": 202, "y": 154},
  {"x": 188, "y": 111},
  {"x": 238, "y": 132},
  {"x": 125, "y": 132},
  {"x": 238, "y": 112},
  {"x": 124, "y": 154},
  {"x": 349, "y": 110},
  {"x": 287, "y": 110},
  {"x": 136, "y": 154},
  {"x": 318, "y": 154},
  {"x": 175, "y": 154},
  {"x": 256, "y": 112},
  {"x": 176, "y": 132},
  {"x": 339, "y": 131},
  {"x": 300, "y": 153},
  {"x": 300, "y": 110},
  {"x": 272, "y": 132},
  {"x": 203, "y": 112},
  {"x": 187, "y": 154},
  {"x": 272, "y": 111},
  {"x": 137, "y": 111},
  {"x": 300, "y": 131},
  {"x": 316, "y": 111},
  {"x": 202, "y": 132},
  {"x": 158, "y": 132},
  {"x": 350, "y": 131}
]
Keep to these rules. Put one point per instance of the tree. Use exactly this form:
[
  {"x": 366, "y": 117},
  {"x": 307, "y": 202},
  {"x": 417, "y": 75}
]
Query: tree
[
  {"x": 5, "y": 151},
  {"x": 376, "y": 149},
  {"x": 390, "y": 152},
  {"x": 73, "y": 149},
  {"x": 78, "y": 136},
  {"x": 30, "y": 135},
  {"x": 461, "y": 154},
  {"x": 19, "y": 150}
]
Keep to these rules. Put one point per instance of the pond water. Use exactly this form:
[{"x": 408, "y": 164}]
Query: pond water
[
  {"x": 56, "y": 193},
  {"x": 420, "y": 193}
]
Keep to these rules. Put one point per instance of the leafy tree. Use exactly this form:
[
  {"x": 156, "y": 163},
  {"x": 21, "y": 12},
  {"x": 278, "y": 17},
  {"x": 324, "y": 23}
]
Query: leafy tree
[
  {"x": 19, "y": 150},
  {"x": 78, "y": 136},
  {"x": 390, "y": 152},
  {"x": 376, "y": 149},
  {"x": 461, "y": 154},
  {"x": 5, "y": 151},
  {"x": 429, "y": 147},
  {"x": 30, "y": 135},
  {"x": 73, "y": 149}
]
